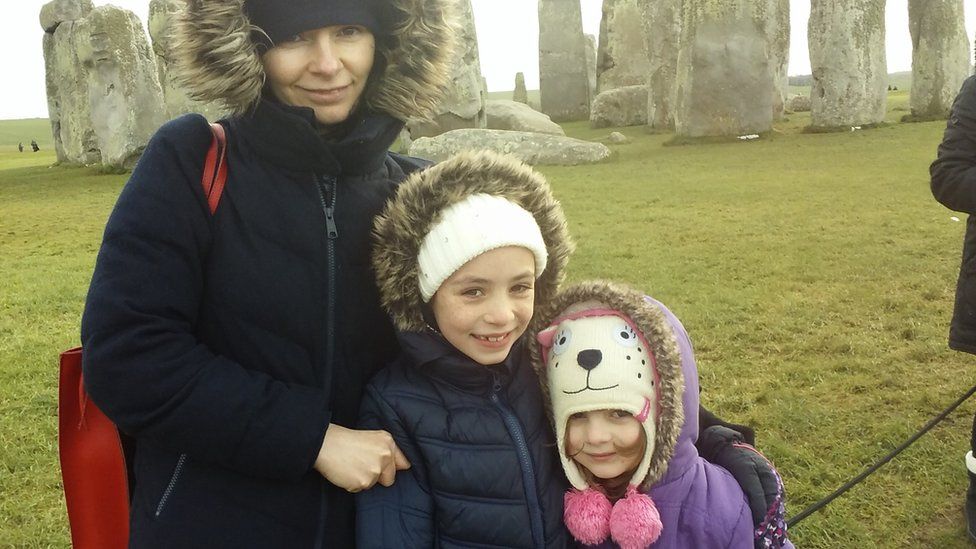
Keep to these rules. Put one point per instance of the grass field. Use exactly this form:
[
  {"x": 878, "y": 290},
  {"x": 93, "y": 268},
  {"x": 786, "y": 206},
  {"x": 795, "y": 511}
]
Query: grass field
[{"x": 814, "y": 272}]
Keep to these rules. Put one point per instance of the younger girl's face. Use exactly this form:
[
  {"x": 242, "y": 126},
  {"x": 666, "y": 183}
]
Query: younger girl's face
[{"x": 608, "y": 443}]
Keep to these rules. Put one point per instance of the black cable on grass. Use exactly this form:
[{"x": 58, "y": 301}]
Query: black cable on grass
[{"x": 795, "y": 519}]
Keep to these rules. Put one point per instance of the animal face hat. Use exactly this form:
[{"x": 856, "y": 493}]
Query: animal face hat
[
  {"x": 475, "y": 183},
  {"x": 604, "y": 346}
]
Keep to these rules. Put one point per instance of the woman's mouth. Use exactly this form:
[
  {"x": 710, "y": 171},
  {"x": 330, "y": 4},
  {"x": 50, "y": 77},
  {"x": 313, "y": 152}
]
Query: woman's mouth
[{"x": 327, "y": 95}]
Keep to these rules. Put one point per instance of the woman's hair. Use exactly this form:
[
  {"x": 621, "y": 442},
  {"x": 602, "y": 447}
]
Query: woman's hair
[{"x": 616, "y": 487}]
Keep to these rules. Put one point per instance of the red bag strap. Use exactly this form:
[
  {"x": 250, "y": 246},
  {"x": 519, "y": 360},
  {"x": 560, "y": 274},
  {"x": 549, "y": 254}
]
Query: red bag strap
[{"x": 215, "y": 167}]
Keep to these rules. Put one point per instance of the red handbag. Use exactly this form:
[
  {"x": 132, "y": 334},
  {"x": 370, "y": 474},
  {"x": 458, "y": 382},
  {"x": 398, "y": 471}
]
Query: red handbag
[{"x": 93, "y": 452}]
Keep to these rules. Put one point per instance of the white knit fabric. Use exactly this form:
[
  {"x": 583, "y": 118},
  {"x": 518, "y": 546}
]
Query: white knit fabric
[
  {"x": 623, "y": 379},
  {"x": 471, "y": 227}
]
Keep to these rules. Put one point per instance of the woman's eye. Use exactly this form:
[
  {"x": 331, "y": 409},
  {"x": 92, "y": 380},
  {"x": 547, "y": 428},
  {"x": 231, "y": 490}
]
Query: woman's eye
[
  {"x": 625, "y": 335},
  {"x": 561, "y": 341},
  {"x": 349, "y": 31}
]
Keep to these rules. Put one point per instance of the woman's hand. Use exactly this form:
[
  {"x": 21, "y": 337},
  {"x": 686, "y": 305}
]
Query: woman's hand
[{"x": 356, "y": 460}]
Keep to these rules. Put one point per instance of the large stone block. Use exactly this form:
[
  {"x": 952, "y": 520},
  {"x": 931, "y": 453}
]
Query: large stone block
[
  {"x": 847, "y": 57},
  {"x": 626, "y": 106},
  {"x": 531, "y": 148},
  {"x": 622, "y": 57},
  {"x": 520, "y": 95},
  {"x": 162, "y": 16},
  {"x": 562, "y": 61},
  {"x": 60, "y": 11},
  {"x": 724, "y": 77},
  {"x": 123, "y": 87},
  {"x": 778, "y": 33},
  {"x": 940, "y": 55},
  {"x": 515, "y": 116},
  {"x": 67, "y": 97},
  {"x": 662, "y": 32},
  {"x": 464, "y": 105}
]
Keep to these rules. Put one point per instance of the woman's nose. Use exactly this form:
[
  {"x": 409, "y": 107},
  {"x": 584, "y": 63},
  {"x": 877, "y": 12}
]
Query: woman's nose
[{"x": 326, "y": 58}]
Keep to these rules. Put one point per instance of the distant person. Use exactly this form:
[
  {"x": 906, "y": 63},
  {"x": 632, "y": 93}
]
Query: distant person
[
  {"x": 34, "y": 145},
  {"x": 954, "y": 185},
  {"x": 20, "y": 147}
]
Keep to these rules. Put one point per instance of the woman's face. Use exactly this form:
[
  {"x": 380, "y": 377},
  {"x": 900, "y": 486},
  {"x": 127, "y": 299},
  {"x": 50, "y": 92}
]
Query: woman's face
[
  {"x": 608, "y": 443},
  {"x": 324, "y": 69}
]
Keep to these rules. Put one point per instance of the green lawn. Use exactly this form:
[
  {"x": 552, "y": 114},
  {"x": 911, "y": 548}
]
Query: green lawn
[{"x": 814, "y": 272}]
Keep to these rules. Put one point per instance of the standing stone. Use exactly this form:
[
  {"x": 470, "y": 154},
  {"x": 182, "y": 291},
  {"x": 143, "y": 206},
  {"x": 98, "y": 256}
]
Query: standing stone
[
  {"x": 67, "y": 83},
  {"x": 520, "y": 95},
  {"x": 562, "y": 61},
  {"x": 662, "y": 32},
  {"x": 778, "y": 32},
  {"x": 724, "y": 77},
  {"x": 123, "y": 87},
  {"x": 591, "y": 64},
  {"x": 464, "y": 105},
  {"x": 162, "y": 16},
  {"x": 940, "y": 55},
  {"x": 58, "y": 11},
  {"x": 622, "y": 59},
  {"x": 847, "y": 56}
]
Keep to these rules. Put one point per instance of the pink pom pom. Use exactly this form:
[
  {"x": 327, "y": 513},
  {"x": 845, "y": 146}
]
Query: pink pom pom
[
  {"x": 587, "y": 515},
  {"x": 634, "y": 521}
]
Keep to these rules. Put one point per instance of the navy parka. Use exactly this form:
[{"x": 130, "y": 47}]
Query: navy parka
[
  {"x": 484, "y": 472},
  {"x": 226, "y": 344}
]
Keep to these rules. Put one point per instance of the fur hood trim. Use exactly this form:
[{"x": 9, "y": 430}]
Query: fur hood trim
[
  {"x": 657, "y": 331},
  {"x": 217, "y": 61},
  {"x": 400, "y": 230}
]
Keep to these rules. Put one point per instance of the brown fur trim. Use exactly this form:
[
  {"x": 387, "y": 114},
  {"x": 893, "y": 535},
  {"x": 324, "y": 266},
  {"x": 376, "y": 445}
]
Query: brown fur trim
[
  {"x": 400, "y": 229},
  {"x": 659, "y": 334},
  {"x": 216, "y": 61}
]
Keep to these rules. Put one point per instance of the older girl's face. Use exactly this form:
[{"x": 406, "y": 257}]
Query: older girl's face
[{"x": 324, "y": 69}]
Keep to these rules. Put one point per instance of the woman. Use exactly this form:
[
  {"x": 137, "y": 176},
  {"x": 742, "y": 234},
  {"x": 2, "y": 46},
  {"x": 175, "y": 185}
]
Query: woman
[{"x": 234, "y": 347}]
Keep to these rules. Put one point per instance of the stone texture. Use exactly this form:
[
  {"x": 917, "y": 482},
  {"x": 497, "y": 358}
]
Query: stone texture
[
  {"x": 622, "y": 57},
  {"x": 626, "y": 106},
  {"x": 515, "y": 116},
  {"x": 531, "y": 148},
  {"x": 562, "y": 61},
  {"x": 60, "y": 11},
  {"x": 940, "y": 55},
  {"x": 778, "y": 33},
  {"x": 162, "y": 15},
  {"x": 123, "y": 87},
  {"x": 798, "y": 103},
  {"x": 464, "y": 106},
  {"x": 847, "y": 57},
  {"x": 67, "y": 97},
  {"x": 662, "y": 32},
  {"x": 590, "y": 64},
  {"x": 724, "y": 78},
  {"x": 617, "y": 138},
  {"x": 520, "y": 95}
]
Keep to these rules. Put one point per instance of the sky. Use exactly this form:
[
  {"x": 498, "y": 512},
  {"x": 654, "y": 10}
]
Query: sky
[{"x": 507, "y": 39}]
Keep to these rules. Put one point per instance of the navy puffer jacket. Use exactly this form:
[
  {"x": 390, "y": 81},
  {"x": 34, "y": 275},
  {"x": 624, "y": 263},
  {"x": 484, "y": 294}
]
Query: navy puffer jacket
[{"x": 484, "y": 470}]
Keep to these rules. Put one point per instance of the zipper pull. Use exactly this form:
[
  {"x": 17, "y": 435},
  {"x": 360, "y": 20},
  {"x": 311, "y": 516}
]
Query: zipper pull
[
  {"x": 496, "y": 386},
  {"x": 328, "y": 186},
  {"x": 333, "y": 231}
]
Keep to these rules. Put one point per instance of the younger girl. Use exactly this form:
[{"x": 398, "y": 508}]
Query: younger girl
[{"x": 623, "y": 387}]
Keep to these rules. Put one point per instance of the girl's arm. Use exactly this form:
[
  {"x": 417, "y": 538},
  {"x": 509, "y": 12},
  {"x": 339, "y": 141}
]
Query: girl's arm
[
  {"x": 401, "y": 515},
  {"x": 954, "y": 171}
]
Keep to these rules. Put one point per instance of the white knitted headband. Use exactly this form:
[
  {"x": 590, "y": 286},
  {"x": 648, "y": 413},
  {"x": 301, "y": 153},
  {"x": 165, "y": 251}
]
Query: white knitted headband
[{"x": 471, "y": 227}]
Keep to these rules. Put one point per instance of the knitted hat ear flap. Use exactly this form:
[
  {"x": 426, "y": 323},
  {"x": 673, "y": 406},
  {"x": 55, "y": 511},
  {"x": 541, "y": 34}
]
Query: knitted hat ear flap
[
  {"x": 634, "y": 520},
  {"x": 586, "y": 514}
]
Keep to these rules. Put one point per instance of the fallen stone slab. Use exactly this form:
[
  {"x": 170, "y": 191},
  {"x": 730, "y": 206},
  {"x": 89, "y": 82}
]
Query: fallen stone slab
[
  {"x": 515, "y": 116},
  {"x": 531, "y": 148}
]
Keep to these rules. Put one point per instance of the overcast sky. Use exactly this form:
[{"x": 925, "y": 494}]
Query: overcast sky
[{"x": 507, "y": 37}]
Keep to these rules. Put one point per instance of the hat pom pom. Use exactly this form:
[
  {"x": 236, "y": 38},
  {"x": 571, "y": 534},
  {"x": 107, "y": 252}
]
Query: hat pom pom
[
  {"x": 587, "y": 515},
  {"x": 635, "y": 522}
]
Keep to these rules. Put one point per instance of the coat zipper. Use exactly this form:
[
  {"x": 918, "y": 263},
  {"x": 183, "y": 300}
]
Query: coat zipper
[
  {"x": 326, "y": 185},
  {"x": 528, "y": 473},
  {"x": 172, "y": 484}
]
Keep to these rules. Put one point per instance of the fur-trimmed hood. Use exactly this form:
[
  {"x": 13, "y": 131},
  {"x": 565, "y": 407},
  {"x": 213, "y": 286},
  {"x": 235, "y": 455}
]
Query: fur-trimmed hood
[
  {"x": 656, "y": 326},
  {"x": 400, "y": 230},
  {"x": 217, "y": 60}
]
